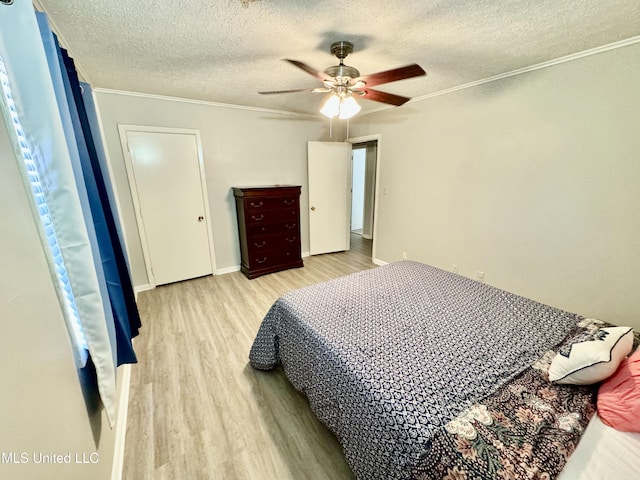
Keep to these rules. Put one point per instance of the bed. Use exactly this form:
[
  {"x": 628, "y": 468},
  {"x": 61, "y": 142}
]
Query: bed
[{"x": 423, "y": 373}]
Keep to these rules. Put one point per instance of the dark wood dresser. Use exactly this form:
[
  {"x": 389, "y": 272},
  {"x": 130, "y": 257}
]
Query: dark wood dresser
[{"x": 269, "y": 228}]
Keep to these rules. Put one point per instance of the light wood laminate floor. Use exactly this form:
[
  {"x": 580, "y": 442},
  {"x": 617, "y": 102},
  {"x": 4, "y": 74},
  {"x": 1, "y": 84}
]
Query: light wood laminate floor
[{"x": 197, "y": 410}]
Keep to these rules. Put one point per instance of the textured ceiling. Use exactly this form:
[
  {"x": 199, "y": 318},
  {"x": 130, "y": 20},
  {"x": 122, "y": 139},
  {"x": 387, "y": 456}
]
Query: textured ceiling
[{"x": 227, "y": 50}]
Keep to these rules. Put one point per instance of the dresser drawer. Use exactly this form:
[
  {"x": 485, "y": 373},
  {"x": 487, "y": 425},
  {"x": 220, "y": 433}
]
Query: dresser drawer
[
  {"x": 272, "y": 257},
  {"x": 259, "y": 228},
  {"x": 262, "y": 243},
  {"x": 279, "y": 203},
  {"x": 255, "y": 217}
]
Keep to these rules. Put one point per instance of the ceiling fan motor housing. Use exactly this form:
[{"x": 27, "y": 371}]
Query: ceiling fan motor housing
[
  {"x": 341, "y": 49},
  {"x": 343, "y": 73}
]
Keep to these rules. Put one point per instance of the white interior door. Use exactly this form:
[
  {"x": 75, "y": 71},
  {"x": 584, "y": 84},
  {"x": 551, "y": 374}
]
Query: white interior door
[
  {"x": 329, "y": 166},
  {"x": 169, "y": 193}
]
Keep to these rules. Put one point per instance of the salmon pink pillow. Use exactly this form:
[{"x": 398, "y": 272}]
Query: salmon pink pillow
[{"x": 619, "y": 396}]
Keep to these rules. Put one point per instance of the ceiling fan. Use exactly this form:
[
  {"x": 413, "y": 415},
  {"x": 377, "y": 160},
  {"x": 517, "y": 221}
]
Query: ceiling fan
[{"x": 345, "y": 82}]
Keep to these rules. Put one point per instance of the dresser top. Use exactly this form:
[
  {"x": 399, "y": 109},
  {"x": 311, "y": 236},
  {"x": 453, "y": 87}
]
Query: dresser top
[{"x": 266, "y": 190}]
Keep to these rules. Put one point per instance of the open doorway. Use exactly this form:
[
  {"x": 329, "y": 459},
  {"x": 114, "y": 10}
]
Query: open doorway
[
  {"x": 358, "y": 173},
  {"x": 363, "y": 180}
]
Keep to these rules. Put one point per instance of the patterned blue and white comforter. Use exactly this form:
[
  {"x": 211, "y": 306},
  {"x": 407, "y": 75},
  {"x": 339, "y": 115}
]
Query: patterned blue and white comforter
[{"x": 388, "y": 356}]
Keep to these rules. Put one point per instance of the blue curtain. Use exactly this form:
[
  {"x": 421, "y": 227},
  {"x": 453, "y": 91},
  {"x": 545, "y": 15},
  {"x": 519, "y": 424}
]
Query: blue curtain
[
  {"x": 121, "y": 296},
  {"x": 95, "y": 180},
  {"x": 61, "y": 91}
]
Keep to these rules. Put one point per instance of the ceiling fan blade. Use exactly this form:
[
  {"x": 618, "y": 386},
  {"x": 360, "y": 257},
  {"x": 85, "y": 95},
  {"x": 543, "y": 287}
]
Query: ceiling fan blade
[
  {"x": 384, "y": 97},
  {"x": 287, "y": 91},
  {"x": 311, "y": 71},
  {"x": 408, "y": 71}
]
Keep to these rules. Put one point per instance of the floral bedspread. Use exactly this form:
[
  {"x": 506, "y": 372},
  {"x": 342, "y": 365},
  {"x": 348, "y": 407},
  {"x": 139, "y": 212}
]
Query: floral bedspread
[{"x": 526, "y": 429}]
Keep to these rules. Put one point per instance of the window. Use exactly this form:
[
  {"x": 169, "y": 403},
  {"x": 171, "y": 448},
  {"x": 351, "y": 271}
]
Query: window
[{"x": 65, "y": 292}]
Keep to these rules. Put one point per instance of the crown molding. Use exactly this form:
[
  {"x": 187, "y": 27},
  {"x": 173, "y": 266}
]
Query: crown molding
[
  {"x": 520, "y": 71},
  {"x": 203, "y": 102}
]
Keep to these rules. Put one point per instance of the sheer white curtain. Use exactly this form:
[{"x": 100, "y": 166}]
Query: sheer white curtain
[{"x": 34, "y": 120}]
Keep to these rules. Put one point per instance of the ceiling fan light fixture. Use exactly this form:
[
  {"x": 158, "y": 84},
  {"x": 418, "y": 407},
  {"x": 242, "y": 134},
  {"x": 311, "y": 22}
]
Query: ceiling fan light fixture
[
  {"x": 344, "y": 106},
  {"x": 348, "y": 108},
  {"x": 331, "y": 107}
]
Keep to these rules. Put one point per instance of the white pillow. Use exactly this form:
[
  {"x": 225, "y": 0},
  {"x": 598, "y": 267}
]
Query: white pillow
[{"x": 594, "y": 360}]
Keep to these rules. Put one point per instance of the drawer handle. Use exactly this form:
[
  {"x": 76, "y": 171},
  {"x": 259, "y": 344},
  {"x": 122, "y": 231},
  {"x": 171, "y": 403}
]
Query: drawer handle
[
  {"x": 291, "y": 240},
  {"x": 257, "y": 204},
  {"x": 260, "y": 245},
  {"x": 256, "y": 218},
  {"x": 290, "y": 226},
  {"x": 289, "y": 202},
  {"x": 261, "y": 261}
]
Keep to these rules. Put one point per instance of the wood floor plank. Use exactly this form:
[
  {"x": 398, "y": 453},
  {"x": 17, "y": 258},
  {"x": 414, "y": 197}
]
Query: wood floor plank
[{"x": 197, "y": 410}]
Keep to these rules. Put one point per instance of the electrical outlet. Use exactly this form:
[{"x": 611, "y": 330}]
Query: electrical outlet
[
  {"x": 404, "y": 255},
  {"x": 480, "y": 276},
  {"x": 454, "y": 268}
]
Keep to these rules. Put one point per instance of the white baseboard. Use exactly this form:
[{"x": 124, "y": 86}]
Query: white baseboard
[
  {"x": 141, "y": 288},
  {"x": 305, "y": 254},
  {"x": 121, "y": 424},
  {"x": 222, "y": 271},
  {"x": 377, "y": 261}
]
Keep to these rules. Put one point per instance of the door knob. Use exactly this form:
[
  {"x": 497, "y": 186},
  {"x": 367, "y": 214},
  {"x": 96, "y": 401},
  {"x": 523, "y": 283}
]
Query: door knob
[
  {"x": 313, "y": 209},
  {"x": 200, "y": 218}
]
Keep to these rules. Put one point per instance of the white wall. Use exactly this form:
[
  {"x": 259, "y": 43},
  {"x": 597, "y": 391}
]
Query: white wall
[
  {"x": 42, "y": 410},
  {"x": 533, "y": 179},
  {"x": 241, "y": 147}
]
